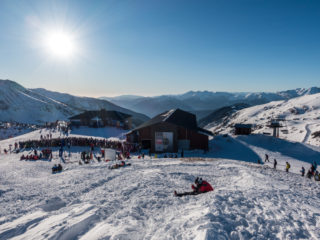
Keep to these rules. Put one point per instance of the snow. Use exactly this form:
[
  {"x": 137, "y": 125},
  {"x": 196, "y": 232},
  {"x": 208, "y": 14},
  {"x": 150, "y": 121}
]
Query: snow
[
  {"x": 250, "y": 201},
  {"x": 168, "y": 114},
  {"x": 301, "y": 119},
  {"x": 13, "y": 131}
]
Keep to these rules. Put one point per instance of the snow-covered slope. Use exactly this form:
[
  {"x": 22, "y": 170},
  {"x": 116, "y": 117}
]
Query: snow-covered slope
[
  {"x": 39, "y": 105},
  {"x": 250, "y": 201},
  {"x": 14, "y": 131},
  {"x": 301, "y": 114}
]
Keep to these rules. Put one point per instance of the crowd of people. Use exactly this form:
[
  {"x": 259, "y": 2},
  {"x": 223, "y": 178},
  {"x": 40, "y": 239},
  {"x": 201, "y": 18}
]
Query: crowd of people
[
  {"x": 312, "y": 172},
  {"x": 43, "y": 154},
  {"x": 79, "y": 142}
]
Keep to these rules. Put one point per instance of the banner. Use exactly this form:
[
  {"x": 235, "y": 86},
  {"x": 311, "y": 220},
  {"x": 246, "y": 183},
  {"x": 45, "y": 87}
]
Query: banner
[{"x": 164, "y": 141}]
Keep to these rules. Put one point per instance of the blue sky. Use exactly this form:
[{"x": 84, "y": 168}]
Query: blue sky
[{"x": 163, "y": 47}]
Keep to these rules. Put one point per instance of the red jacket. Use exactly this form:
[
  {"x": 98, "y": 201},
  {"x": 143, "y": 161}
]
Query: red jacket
[{"x": 203, "y": 187}]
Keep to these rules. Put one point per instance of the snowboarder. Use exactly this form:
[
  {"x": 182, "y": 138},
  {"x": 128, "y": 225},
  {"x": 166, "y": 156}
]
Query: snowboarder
[
  {"x": 275, "y": 163},
  {"x": 267, "y": 158},
  {"x": 201, "y": 186},
  {"x": 302, "y": 171},
  {"x": 287, "y": 166}
]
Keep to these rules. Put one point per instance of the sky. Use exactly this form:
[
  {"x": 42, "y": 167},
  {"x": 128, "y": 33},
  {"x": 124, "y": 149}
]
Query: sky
[{"x": 160, "y": 47}]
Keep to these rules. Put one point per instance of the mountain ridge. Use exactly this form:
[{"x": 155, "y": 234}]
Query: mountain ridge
[
  {"x": 209, "y": 101},
  {"x": 40, "y": 105}
]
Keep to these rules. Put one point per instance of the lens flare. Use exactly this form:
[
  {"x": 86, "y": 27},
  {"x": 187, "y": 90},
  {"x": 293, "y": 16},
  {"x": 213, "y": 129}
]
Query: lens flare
[{"x": 60, "y": 44}]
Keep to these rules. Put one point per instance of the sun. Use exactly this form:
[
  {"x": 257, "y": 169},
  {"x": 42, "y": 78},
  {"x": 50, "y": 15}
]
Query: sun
[{"x": 60, "y": 44}]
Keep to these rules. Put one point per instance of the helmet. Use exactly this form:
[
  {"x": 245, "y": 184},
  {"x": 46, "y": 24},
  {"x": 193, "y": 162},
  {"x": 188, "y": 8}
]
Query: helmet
[{"x": 198, "y": 180}]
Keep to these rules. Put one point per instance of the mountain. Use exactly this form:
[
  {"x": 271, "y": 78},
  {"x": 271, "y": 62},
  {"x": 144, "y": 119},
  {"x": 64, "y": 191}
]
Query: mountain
[
  {"x": 221, "y": 114},
  {"x": 299, "y": 117},
  {"x": 200, "y": 102},
  {"x": 39, "y": 105},
  {"x": 121, "y": 98}
]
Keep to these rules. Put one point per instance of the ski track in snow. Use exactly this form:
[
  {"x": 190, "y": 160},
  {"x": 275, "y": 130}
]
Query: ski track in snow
[{"x": 308, "y": 132}]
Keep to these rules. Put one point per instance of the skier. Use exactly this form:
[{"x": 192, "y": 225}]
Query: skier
[
  {"x": 267, "y": 158},
  {"x": 275, "y": 163},
  {"x": 302, "y": 171},
  {"x": 200, "y": 187},
  {"x": 287, "y": 166}
]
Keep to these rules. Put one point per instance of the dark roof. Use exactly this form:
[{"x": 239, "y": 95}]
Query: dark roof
[
  {"x": 103, "y": 114},
  {"x": 241, "y": 125},
  {"x": 176, "y": 117}
]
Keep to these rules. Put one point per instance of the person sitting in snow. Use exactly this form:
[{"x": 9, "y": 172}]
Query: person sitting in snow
[
  {"x": 54, "y": 168},
  {"x": 287, "y": 166},
  {"x": 59, "y": 168},
  {"x": 309, "y": 173},
  {"x": 317, "y": 176},
  {"x": 302, "y": 171},
  {"x": 200, "y": 186}
]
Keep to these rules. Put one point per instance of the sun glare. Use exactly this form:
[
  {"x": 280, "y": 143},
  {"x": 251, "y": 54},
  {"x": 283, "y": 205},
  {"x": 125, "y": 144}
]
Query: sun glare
[{"x": 60, "y": 44}]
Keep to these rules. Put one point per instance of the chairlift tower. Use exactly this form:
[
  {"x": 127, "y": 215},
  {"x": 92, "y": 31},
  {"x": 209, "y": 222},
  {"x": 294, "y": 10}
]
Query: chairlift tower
[{"x": 276, "y": 124}]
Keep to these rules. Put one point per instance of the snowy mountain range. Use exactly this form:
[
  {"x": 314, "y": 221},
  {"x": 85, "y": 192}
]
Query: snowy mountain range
[
  {"x": 39, "y": 105},
  {"x": 203, "y": 103},
  {"x": 300, "y": 119}
]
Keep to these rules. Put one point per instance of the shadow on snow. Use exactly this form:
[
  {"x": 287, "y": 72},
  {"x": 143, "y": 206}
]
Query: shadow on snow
[{"x": 294, "y": 150}]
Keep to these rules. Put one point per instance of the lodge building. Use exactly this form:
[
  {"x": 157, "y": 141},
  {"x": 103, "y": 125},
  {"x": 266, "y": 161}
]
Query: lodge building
[
  {"x": 102, "y": 118},
  {"x": 242, "y": 129},
  {"x": 170, "y": 131}
]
